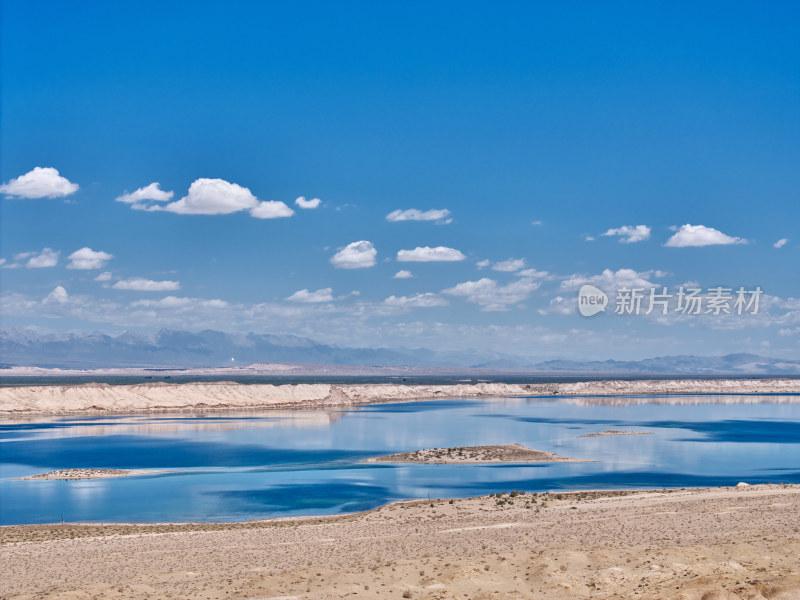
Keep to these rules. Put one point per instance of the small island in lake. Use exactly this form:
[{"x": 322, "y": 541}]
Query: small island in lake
[
  {"x": 71, "y": 474},
  {"x": 608, "y": 432},
  {"x": 506, "y": 453}
]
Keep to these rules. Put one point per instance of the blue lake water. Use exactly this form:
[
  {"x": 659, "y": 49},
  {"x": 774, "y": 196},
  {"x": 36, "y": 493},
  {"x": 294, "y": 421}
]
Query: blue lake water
[{"x": 238, "y": 466}]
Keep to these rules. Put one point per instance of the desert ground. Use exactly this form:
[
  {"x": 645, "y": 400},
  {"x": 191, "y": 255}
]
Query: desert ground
[{"x": 727, "y": 543}]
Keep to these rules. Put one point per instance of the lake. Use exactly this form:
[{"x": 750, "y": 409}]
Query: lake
[{"x": 272, "y": 463}]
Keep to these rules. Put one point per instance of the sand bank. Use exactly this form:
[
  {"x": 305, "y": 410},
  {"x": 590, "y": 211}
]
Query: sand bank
[
  {"x": 104, "y": 398},
  {"x": 708, "y": 544},
  {"x": 506, "y": 453}
]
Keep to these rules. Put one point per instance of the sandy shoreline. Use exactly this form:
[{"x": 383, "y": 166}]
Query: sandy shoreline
[
  {"x": 98, "y": 398},
  {"x": 724, "y": 543}
]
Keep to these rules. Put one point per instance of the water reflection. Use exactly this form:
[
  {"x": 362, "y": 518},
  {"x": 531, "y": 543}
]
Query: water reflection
[{"x": 242, "y": 465}]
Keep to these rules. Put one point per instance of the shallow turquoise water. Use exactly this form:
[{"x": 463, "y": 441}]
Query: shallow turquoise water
[{"x": 235, "y": 466}]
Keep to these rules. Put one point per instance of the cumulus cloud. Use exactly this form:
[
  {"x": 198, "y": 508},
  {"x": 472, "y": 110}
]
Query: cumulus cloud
[
  {"x": 46, "y": 258},
  {"x": 307, "y": 204},
  {"x": 105, "y": 276},
  {"x": 176, "y": 303},
  {"x": 42, "y": 182},
  {"x": 630, "y": 234},
  {"x": 491, "y": 296},
  {"x": 510, "y": 265},
  {"x": 482, "y": 264},
  {"x": 560, "y": 306},
  {"x": 780, "y": 243},
  {"x": 403, "y": 274},
  {"x": 140, "y": 284},
  {"x": 441, "y": 216},
  {"x": 58, "y": 296},
  {"x": 534, "y": 274},
  {"x": 213, "y": 197},
  {"x": 700, "y": 235},
  {"x": 207, "y": 197},
  {"x": 321, "y": 295},
  {"x": 142, "y": 197},
  {"x": 271, "y": 209},
  {"x": 427, "y": 300},
  {"x": 86, "y": 258},
  {"x": 37, "y": 260},
  {"x": 428, "y": 254},
  {"x": 610, "y": 280},
  {"x": 356, "y": 255}
]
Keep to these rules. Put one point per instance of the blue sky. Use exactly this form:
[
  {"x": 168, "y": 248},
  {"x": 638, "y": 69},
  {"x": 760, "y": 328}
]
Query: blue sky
[{"x": 537, "y": 125}]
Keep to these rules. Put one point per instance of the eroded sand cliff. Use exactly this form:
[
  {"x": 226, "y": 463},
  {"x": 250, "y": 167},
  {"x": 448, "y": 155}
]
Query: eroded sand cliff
[{"x": 101, "y": 398}]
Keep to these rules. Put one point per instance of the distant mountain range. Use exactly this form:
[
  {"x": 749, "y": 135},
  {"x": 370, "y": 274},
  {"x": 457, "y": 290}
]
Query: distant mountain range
[
  {"x": 742, "y": 363},
  {"x": 168, "y": 348}
]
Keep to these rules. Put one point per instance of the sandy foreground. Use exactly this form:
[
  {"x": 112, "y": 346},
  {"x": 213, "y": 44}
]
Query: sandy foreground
[
  {"x": 726, "y": 543},
  {"x": 104, "y": 398}
]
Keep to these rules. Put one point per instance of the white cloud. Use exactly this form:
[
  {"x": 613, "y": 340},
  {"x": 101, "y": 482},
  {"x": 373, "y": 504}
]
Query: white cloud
[
  {"x": 46, "y": 258},
  {"x": 427, "y": 300},
  {"x": 700, "y": 235},
  {"x": 560, "y": 306},
  {"x": 482, "y": 264},
  {"x": 213, "y": 197},
  {"x": 428, "y": 254},
  {"x": 403, "y": 274},
  {"x": 271, "y": 209},
  {"x": 86, "y": 258},
  {"x": 140, "y": 284},
  {"x": 321, "y": 295},
  {"x": 141, "y": 198},
  {"x": 534, "y": 274},
  {"x": 58, "y": 296},
  {"x": 589, "y": 238},
  {"x": 106, "y": 276},
  {"x": 610, "y": 281},
  {"x": 490, "y": 295},
  {"x": 307, "y": 204},
  {"x": 630, "y": 234},
  {"x": 357, "y": 255},
  {"x": 42, "y": 182},
  {"x": 207, "y": 197},
  {"x": 536, "y": 222},
  {"x": 441, "y": 216},
  {"x": 176, "y": 303},
  {"x": 510, "y": 265},
  {"x": 780, "y": 243}
]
